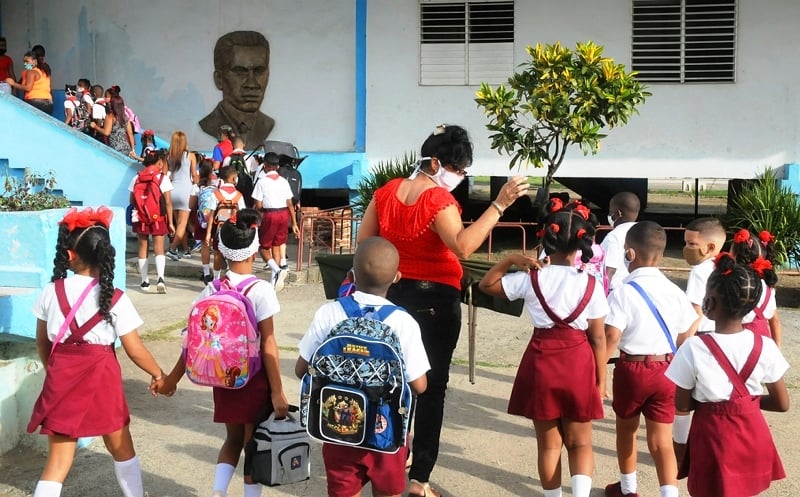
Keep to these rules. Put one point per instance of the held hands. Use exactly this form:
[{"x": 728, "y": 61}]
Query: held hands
[
  {"x": 156, "y": 384},
  {"x": 169, "y": 386},
  {"x": 512, "y": 190}
]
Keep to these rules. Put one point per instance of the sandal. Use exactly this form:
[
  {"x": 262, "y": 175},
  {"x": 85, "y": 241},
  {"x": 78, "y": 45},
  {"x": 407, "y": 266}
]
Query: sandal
[{"x": 420, "y": 489}]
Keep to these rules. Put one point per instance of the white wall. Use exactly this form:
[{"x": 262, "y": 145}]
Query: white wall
[{"x": 161, "y": 54}]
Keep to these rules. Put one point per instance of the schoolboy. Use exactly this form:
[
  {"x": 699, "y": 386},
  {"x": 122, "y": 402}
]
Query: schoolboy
[
  {"x": 704, "y": 238},
  {"x": 348, "y": 469},
  {"x": 227, "y": 190},
  {"x": 623, "y": 210},
  {"x": 639, "y": 385}
]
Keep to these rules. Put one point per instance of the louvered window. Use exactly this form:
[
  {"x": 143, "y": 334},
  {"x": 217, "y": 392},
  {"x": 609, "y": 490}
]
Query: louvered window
[
  {"x": 466, "y": 43},
  {"x": 684, "y": 41}
]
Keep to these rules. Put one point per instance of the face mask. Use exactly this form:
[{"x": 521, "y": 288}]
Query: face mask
[
  {"x": 28, "y": 66},
  {"x": 693, "y": 256},
  {"x": 610, "y": 220},
  {"x": 627, "y": 262},
  {"x": 444, "y": 178}
]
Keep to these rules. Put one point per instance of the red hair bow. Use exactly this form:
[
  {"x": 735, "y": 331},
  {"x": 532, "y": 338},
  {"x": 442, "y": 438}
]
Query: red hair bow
[
  {"x": 540, "y": 233},
  {"x": 556, "y": 204},
  {"x": 760, "y": 265},
  {"x": 766, "y": 237},
  {"x": 583, "y": 211},
  {"x": 580, "y": 233},
  {"x": 87, "y": 217},
  {"x": 721, "y": 256},
  {"x": 742, "y": 236},
  {"x": 555, "y": 228}
]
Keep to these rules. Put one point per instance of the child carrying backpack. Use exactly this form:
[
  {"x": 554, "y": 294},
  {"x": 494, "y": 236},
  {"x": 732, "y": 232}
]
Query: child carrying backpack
[
  {"x": 355, "y": 360},
  {"x": 224, "y": 203},
  {"x": 242, "y": 302},
  {"x": 76, "y": 112}
]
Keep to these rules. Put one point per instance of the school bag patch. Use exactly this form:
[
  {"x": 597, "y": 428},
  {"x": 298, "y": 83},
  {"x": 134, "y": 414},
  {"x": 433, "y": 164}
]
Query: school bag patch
[
  {"x": 149, "y": 204},
  {"x": 222, "y": 346},
  {"x": 355, "y": 392},
  {"x": 204, "y": 196},
  {"x": 280, "y": 451},
  {"x": 244, "y": 181}
]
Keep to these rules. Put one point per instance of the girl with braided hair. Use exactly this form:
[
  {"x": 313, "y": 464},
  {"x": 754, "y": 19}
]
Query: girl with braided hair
[
  {"x": 79, "y": 317},
  {"x": 562, "y": 374},
  {"x": 719, "y": 375},
  {"x": 758, "y": 251}
]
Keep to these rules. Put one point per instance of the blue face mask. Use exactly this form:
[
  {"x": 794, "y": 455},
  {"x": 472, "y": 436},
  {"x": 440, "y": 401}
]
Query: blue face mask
[{"x": 28, "y": 66}]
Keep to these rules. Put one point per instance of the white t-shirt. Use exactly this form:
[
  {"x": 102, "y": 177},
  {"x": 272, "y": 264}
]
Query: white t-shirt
[
  {"x": 125, "y": 318},
  {"x": 696, "y": 289},
  {"x": 562, "y": 287},
  {"x": 629, "y": 313},
  {"x": 694, "y": 368},
  {"x": 261, "y": 295},
  {"x": 406, "y": 328},
  {"x": 614, "y": 247},
  {"x": 228, "y": 192},
  {"x": 99, "y": 109},
  {"x": 272, "y": 191},
  {"x": 769, "y": 311}
]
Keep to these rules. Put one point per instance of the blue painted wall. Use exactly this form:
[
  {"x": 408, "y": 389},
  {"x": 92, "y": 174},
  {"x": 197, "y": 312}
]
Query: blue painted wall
[{"x": 26, "y": 262}]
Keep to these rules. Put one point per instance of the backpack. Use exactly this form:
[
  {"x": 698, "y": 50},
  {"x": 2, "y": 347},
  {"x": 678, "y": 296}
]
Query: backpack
[
  {"x": 279, "y": 451},
  {"x": 244, "y": 183},
  {"x": 224, "y": 204},
  {"x": 80, "y": 116},
  {"x": 204, "y": 196},
  {"x": 355, "y": 392},
  {"x": 133, "y": 119},
  {"x": 295, "y": 179},
  {"x": 149, "y": 204},
  {"x": 222, "y": 345}
]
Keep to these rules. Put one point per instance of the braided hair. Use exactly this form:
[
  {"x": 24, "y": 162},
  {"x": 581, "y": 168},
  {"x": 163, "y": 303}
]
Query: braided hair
[
  {"x": 747, "y": 248},
  {"x": 93, "y": 246},
  {"x": 738, "y": 285},
  {"x": 568, "y": 228}
]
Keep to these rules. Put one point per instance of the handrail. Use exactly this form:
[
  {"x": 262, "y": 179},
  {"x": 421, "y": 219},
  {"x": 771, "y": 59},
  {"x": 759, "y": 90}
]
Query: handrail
[
  {"x": 308, "y": 225},
  {"x": 507, "y": 224}
]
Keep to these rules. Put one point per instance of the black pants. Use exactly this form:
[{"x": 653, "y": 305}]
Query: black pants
[
  {"x": 43, "y": 105},
  {"x": 437, "y": 309}
]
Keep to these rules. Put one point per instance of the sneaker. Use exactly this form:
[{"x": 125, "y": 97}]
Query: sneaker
[
  {"x": 145, "y": 286},
  {"x": 207, "y": 278},
  {"x": 187, "y": 254},
  {"x": 284, "y": 267},
  {"x": 278, "y": 280},
  {"x": 197, "y": 246},
  {"x": 161, "y": 287},
  {"x": 175, "y": 256},
  {"x": 615, "y": 490}
]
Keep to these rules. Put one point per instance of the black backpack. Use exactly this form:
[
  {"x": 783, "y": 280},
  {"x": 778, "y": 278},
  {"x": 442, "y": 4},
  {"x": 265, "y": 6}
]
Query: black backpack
[{"x": 244, "y": 183}]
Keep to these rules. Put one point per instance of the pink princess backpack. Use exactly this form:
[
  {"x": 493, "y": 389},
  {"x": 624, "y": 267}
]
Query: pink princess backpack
[{"x": 222, "y": 345}]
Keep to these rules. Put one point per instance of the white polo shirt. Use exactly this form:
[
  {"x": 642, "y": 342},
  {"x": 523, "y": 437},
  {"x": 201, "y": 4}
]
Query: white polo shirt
[
  {"x": 769, "y": 311},
  {"x": 614, "y": 247},
  {"x": 696, "y": 289},
  {"x": 272, "y": 191}
]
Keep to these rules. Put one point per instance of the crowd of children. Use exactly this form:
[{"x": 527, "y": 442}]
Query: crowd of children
[{"x": 698, "y": 365}]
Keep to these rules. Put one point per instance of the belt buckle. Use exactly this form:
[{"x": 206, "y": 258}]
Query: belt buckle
[{"x": 424, "y": 284}]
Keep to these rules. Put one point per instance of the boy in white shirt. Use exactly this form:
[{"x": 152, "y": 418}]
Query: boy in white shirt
[
  {"x": 623, "y": 210},
  {"x": 704, "y": 238},
  {"x": 234, "y": 201}
]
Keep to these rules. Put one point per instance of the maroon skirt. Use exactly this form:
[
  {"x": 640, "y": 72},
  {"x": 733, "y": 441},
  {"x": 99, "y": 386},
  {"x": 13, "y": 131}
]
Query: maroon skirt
[
  {"x": 158, "y": 228},
  {"x": 244, "y": 405},
  {"x": 557, "y": 378},
  {"x": 730, "y": 450},
  {"x": 82, "y": 395}
]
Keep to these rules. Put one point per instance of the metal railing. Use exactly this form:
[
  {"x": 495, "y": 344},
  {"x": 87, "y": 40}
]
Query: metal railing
[{"x": 330, "y": 231}]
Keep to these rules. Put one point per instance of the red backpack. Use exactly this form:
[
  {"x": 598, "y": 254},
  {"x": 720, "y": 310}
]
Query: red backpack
[{"x": 148, "y": 199}]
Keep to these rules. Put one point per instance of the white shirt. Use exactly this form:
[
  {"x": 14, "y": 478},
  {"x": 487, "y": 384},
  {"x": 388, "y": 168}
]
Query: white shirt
[
  {"x": 125, "y": 318},
  {"x": 696, "y": 289},
  {"x": 251, "y": 162},
  {"x": 629, "y": 313},
  {"x": 769, "y": 311},
  {"x": 228, "y": 192},
  {"x": 166, "y": 184},
  {"x": 261, "y": 295},
  {"x": 401, "y": 322},
  {"x": 99, "y": 109},
  {"x": 562, "y": 287},
  {"x": 694, "y": 368},
  {"x": 272, "y": 191},
  {"x": 614, "y": 247}
]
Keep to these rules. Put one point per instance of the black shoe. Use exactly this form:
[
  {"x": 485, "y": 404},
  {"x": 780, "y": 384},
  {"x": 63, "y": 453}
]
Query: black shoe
[
  {"x": 145, "y": 286},
  {"x": 207, "y": 278}
]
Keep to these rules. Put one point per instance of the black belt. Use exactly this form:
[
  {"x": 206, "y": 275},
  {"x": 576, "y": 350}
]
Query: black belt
[
  {"x": 424, "y": 285},
  {"x": 275, "y": 209}
]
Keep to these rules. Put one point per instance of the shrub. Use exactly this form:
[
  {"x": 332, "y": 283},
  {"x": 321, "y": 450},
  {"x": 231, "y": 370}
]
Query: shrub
[
  {"x": 765, "y": 205},
  {"x": 379, "y": 176},
  {"x": 33, "y": 193}
]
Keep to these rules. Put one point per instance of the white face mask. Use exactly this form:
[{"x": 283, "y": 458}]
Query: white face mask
[
  {"x": 610, "y": 220},
  {"x": 444, "y": 178}
]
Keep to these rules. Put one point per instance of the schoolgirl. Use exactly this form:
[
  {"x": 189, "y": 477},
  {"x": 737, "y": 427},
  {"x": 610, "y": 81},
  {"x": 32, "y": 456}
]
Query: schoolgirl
[
  {"x": 240, "y": 409},
  {"x": 199, "y": 202},
  {"x": 563, "y": 371},
  {"x": 719, "y": 375},
  {"x": 759, "y": 253},
  {"x": 78, "y": 320}
]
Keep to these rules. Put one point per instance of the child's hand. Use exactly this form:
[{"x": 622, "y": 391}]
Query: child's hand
[
  {"x": 170, "y": 386},
  {"x": 280, "y": 405},
  {"x": 525, "y": 263},
  {"x": 156, "y": 383}
]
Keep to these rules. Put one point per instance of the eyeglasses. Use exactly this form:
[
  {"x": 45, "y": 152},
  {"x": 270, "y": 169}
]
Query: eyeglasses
[{"x": 459, "y": 171}]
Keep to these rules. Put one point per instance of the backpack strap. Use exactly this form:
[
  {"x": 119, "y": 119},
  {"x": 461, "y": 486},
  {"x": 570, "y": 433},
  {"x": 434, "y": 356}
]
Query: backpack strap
[
  {"x": 243, "y": 288},
  {"x": 737, "y": 379},
  {"x": 354, "y": 310},
  {"x": 657, "y": 314},
  {"x": 587, "y": 295}
]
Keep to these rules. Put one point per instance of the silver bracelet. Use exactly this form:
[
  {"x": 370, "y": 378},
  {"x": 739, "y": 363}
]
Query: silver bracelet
[{"x": 497, "y": 206}]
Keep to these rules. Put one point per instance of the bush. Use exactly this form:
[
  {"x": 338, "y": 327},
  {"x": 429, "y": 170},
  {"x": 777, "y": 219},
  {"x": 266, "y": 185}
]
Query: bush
[
  {"x": 765, "y": 205},
  {"x": 33, "y": 193},
  {"x": 379, "y": 176}
]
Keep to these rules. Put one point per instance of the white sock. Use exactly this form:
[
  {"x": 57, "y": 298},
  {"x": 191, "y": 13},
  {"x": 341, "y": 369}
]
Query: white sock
[
  {"x": 581, "y": 485},
  {"x": 273, "y": 266},
  {"x": 46, "y": 488},
  {"x": 252, "y": 490},
  {"x": 217, "y": 274},
  {"x": 628, "y": 482},
  {"x": 669, "y": 491},
  {"x": 555, "y": 492},
  {"x": 129, "y": 477},
  {"x": 143, "y": 270},
  {"x": 206, "y": 269},
  {"x": 222, "y": 477},
  {"x": 161, "y": 261},
  {"x": 283, "y": 262}
]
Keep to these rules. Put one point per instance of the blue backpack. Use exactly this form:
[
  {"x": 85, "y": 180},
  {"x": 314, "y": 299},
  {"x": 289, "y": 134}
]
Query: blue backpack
[{"x": 355, "y": 392}]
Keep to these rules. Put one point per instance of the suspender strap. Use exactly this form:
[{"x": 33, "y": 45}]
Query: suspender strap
[
  {"x": 655, "y": 312},
  {"x": 759, "y": 310},
  {"x": 737, "y": 379},
  {"x": 552, "y": 315},
  {"x": 77, "y": 332}
]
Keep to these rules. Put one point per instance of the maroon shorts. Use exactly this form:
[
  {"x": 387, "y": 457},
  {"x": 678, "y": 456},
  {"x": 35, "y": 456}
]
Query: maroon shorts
[
  {"x": 244, "y": 405},
  {"x": 158, "y": 228},
  {"x": 349, "y": 469},
  {"x": 274, "y": 229},
  {"x": 642, "y": 388}
]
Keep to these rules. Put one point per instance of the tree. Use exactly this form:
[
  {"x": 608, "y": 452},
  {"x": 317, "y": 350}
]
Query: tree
[{"x": 560, "y": 98}]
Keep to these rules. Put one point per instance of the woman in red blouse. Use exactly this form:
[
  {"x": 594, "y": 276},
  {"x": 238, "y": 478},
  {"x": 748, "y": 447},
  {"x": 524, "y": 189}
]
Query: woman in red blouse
[{"x": 422, "y": 219}]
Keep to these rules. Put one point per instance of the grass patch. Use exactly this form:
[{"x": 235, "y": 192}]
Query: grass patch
[{"x": 168, "y": 333}]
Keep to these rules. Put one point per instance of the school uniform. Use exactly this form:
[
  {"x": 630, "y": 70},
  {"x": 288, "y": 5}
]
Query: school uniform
[
  {"x": 639, "y": 384},
  {"x": 557, "y": 375},
  {"x": 82, "y": 395},
  {"x": 160, "y": 227},
  {"x": 228, "y": 191},
  {"x": 245, "y": 405},
  {"x": 696, "y": 290},
  {"x": 348, "y": 469},
  {"x": 757, "y": 320},
  {"x": 273, "y": 191},
  {"x": 614, "y": 248},
  {"x": 730, "y": 449}
]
